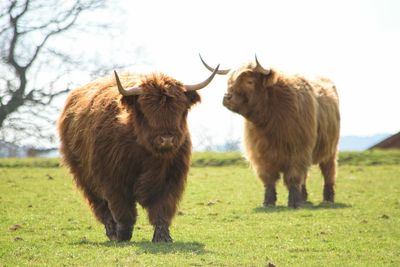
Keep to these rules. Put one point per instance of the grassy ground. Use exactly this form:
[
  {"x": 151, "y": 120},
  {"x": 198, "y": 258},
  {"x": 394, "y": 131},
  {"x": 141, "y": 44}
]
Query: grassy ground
[{"x": 45, "y": 222}]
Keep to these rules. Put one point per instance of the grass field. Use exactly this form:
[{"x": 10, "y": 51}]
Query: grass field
[{"x": 221, "y": 222}]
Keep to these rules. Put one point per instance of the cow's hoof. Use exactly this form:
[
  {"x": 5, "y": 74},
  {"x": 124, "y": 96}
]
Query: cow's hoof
[
  {"x": 295, "y": 198},
  {"x": 161, "y": 234},
  {"x": 329, "y": 193},
  {"x": 124, "y": 233},
  {"x": 111, "y": 231},
  {"x": 269, "y": 204}
]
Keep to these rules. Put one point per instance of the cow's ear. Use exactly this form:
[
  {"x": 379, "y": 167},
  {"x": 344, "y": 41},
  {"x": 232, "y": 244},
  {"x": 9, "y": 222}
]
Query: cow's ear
[
  {"x": 129, "y": 100},
  {"x": 270, "y": 79},
  {"x": 193, "y": 97}
]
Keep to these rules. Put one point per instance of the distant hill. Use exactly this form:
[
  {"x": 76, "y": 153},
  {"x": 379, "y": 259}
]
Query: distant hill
[
  {"x": 357, "y": 143},
  {"x": 346, "y": 143}
]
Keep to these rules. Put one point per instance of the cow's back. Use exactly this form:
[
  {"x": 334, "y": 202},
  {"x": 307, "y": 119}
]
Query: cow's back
[
  {"x": 328, "y": 119},
  {"x": 290, "y": 132},
  {"x": 87, "y": 108}
]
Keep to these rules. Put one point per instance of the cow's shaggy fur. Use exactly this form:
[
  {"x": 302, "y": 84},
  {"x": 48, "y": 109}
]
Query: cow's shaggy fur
[
  {"x": 111, "y": 144},
  {"x": 290, "y": 123}
]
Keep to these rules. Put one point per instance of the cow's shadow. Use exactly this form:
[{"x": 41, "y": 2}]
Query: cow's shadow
[
  {"x": 165, "y": 248},
  {"x": 306, "y": 205},
  {"x": 152, "y": 248}
]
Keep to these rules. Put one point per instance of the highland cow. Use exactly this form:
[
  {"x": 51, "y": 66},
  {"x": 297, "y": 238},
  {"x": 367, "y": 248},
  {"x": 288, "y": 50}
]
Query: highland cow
[
  {"x": 290, "y": 123},
  {"x": 128, "y": 146}
]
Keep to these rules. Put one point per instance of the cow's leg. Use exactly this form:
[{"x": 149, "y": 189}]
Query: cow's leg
[
  {"x": 160, "y": 216},
  {"x": 100, "y": 209},
  {"x": 123, "y": 210},
  {"x": 294, "y": 181},
  {"x": 304, "y": 193},
  {"x": 269, "y": 181},
  {"x": 162, "y": 209},
  {"x": 161, "y": 200},
  {"x": 328, "y": 170}
]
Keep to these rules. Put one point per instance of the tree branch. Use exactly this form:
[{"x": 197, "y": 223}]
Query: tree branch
[
  {"x": 40, "y": 96},
  {"x": 50, "y": 34},
  {"x": 28, "y": 83},
  {"x": 24, "y": 10}
]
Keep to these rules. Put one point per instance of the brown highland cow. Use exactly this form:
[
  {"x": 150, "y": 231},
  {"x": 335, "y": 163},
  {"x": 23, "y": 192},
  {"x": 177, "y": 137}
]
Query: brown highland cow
[
  {"x": 128, "y": 146},
  {"x": 290, "y": 124}
]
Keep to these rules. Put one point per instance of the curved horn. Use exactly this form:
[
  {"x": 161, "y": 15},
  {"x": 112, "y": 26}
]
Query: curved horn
[
  {"x": 221, "y": 72},
  {"x": 260, "y": 68},
  {"x": 203, "y": 84},
  {"x": 128, "y": 91}
]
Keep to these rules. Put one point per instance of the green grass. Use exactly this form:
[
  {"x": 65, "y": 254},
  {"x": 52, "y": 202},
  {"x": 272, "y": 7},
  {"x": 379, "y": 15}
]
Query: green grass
[{"x": 221, "y": 221}]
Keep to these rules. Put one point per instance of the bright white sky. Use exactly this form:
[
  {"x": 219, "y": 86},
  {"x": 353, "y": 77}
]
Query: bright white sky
[{"x": 354, "y": 43}]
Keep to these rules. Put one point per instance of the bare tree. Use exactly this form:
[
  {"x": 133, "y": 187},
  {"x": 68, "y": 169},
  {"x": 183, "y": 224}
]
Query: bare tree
[
  {"x": 33, "y": 64},
  {"x": 204, "y": 139},
  {"x": 230, "y": 145}
]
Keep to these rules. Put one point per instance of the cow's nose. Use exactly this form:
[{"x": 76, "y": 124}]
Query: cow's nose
[
  {"x": 167, "y": 141},
  {"x": 227, "y": 96}
]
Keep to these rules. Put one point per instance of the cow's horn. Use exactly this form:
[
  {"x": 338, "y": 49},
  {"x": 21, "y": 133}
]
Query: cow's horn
[
  {"x": 135, "y": 90},
  {"x": 203, "y": 84},
  {"x": 260, "y": 68},
  {"x": 221, "y": 72}
]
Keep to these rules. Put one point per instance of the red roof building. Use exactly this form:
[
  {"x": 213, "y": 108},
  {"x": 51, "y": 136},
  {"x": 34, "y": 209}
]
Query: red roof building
[{"x": 390, "y": 142}]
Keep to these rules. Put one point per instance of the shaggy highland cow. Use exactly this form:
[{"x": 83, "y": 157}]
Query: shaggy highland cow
[
  {"x": 290, "y": 124},
  {"x": 128, "y": 146}
]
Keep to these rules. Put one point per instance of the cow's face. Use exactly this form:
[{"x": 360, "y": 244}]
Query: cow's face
[
  {"x": 244, "y": 90},
  {"x": 239, "y": 93},
  {"x": 248, "y": 93},
  {"x": 160, "y": 112}
]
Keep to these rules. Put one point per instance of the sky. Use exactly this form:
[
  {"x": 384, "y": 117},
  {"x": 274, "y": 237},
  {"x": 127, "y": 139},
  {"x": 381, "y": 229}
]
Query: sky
[{"x": 354, "y": 43}]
